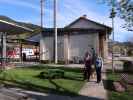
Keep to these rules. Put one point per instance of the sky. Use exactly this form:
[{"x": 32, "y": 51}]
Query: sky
[{"x": 68, "y": 11}]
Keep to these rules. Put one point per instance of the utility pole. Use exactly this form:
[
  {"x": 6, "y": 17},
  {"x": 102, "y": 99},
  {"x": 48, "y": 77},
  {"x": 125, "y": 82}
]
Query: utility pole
[
  {"x": 41, "y": 22},
  {"x": 55, "y": 32},
  {"x": 42, "y": 4},
  {"x": 112, "y": 16}
]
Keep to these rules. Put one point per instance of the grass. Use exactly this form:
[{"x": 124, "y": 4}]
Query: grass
[
  {"x": 27, "y": 78},
  {"x": 113, "y": 95}
]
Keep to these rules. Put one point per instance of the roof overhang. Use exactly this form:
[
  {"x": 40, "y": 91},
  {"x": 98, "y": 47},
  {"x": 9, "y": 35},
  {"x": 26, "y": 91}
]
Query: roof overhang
[
  {"x": 13, "y": 28},
  {"x": 23, "y": 41},
  {"x": 62, "y": 31}
]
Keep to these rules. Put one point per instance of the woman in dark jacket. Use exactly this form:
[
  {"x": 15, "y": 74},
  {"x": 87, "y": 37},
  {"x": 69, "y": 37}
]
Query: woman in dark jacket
[{"x": 88, "y": 63}]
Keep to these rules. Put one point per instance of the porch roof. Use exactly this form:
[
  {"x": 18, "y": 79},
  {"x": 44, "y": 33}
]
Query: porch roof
[
  {"x": 23, "y": 41},
  {"x": 13, "y": 28}
]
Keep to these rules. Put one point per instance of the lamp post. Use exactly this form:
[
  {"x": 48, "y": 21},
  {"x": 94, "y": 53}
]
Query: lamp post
[{"x": 112, "y": 16}]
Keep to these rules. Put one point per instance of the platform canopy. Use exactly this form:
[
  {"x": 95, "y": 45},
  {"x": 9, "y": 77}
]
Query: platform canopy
[{"x": 13, "y": 28}]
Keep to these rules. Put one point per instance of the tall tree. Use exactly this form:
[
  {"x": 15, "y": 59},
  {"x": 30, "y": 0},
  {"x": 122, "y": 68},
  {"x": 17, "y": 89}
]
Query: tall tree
[{"x": 124, "y": 10}]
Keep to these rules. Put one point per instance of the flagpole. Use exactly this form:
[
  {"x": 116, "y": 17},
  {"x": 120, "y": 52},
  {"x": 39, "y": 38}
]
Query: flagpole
[{"x": 55, "y": 32}]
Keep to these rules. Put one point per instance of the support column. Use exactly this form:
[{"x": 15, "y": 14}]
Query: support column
[
  {"x": 21, "y": 47},
  {"x": 3, "y": 50},
  {"x": 42, "y": 50},
  {"x": 106, "y": 46},
  {"x": 96, "y": 43},
  {"x": 103, "y": 43},
  {"x": 101, "y": 47},
  {"x": 66, "y": 48},
  {"x": 36, "y": 52}
]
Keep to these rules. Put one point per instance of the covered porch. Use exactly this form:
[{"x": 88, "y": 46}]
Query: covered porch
[{"x": 6, "y": 29}]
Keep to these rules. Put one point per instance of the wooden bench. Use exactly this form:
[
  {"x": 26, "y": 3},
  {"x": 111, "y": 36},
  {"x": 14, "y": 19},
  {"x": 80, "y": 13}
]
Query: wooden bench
[{"x": 125, "y": 81}]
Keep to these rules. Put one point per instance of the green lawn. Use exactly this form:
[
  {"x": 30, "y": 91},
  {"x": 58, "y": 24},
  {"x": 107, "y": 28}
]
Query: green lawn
[
  {"x": 27, "y": 78},
  {"x": 113, "y": 95}
]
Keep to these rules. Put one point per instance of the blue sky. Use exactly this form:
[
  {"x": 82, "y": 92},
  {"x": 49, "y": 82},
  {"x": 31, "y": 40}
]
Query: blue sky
[{"x": 68, "y": 11}]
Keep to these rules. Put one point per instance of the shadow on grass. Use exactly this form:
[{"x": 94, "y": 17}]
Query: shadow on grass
[
  {"x": 59, "y": 97},
  {"x": 41, "y": 67},
  {"x": 65, "y": 77},
  {"x": 29, "y": 86},
  {"x": 65, "y": 69},
  {"x": 73, "y": 78},
  {"x": 108, "y": 85},
  {"x": 52, "y": 93}
]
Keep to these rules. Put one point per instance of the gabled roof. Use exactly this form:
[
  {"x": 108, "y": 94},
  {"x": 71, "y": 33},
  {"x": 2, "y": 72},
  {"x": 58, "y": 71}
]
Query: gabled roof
[
  {"x": 68, "y": 29},
  {"x": 84, "y": 17}
]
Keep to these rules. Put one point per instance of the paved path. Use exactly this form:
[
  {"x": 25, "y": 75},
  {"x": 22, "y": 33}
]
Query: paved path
[{"x": 94, "y": 89}]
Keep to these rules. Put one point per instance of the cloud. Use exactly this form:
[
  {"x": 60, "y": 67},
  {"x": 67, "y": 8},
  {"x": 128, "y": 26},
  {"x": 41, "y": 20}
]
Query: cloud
[
  {"x": 22, "y": 3},
  {"x": 71, "y": 9},
  {"x": 25, "y": 3}
]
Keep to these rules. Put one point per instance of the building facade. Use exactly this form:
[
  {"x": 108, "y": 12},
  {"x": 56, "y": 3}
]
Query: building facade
[{"x": 74, "y": 40}]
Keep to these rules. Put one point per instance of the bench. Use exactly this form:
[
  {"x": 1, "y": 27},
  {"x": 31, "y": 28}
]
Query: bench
[{"x": 126, "y": 81}]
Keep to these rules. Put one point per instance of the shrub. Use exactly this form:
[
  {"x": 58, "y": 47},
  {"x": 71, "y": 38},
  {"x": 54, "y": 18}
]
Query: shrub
[
  {"x": 130, "y": 52},
  {"x": 61, "y": 62},
  {"x": 52, "y": 74},
  {"x": 45, "y": 61},
  {"x": 128, "y": 66}
]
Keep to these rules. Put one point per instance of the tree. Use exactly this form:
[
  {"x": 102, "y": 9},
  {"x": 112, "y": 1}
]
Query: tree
[{"x": 124, "y": 10}]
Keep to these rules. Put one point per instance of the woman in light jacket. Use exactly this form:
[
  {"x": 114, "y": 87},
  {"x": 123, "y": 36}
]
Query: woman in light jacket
[{"x": 99, "y": 65}]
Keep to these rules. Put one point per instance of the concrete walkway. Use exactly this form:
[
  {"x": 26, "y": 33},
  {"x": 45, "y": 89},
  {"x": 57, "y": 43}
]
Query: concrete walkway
[{"x": 94, "y": 89}]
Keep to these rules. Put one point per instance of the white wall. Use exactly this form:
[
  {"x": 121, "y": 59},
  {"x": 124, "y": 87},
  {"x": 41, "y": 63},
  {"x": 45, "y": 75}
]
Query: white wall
[
  {"x": 60, "y": 45},
  {"x": 46, "y": 48},
  {"x": 79, "y": 44}
]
